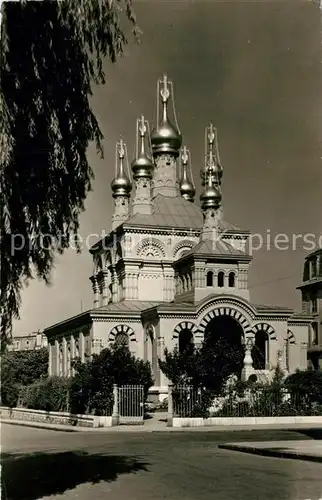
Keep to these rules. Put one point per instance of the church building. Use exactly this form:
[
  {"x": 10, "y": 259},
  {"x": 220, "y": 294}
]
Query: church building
[{"x": 172, "y": 271}]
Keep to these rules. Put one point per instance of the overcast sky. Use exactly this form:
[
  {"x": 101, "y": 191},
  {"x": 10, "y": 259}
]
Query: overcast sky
[{"x": 255, "y": 70}]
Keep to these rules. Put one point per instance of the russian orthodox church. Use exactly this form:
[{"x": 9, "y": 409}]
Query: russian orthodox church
[{"x": 172, "y": 271}]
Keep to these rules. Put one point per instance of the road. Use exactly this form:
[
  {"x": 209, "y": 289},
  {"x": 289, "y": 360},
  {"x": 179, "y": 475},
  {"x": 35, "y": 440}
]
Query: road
[{"x": 53, "y": 465}]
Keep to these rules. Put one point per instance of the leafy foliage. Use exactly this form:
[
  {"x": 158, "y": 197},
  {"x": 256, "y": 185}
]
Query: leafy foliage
[
  {"x": 307, "y": 383},
  {"x": 205, "y": 369},
  {"x": 92, "y": 386},
  {"x": 51, "y": 394},
  {"x": 46, "y": 126},
  {"x": 20, "y": 368}
]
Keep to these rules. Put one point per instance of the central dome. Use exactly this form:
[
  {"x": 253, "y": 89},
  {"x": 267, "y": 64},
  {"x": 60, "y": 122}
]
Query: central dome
[{"x": 166, "y": 138}]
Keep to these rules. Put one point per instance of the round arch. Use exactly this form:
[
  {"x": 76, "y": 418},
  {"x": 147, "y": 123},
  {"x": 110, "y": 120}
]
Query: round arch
[
  {"x": 122, "y": 329},
  {"x": 290, "y": 337},
  {"x": 153, "y": 244},
  {"x": 226, "y": 311},
  {"x": 265, "y": 327},
  {"x": 185, "y": 245}
]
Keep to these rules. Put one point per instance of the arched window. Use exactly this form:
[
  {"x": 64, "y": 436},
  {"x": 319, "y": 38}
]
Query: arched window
[
  {"x": 231, "y": 280},
  {"x": 185, "y": 341},
  {"x": 260, "y": 351},
  {"x": 210, "y": 278},
  {"x": 221, "y": 278},
  {"x": 121, "y": 339}
]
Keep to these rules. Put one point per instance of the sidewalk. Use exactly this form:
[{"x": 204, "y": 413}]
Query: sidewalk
[
  {"x": 156, "y": 425},
  {"x": 299, "y": 450}
]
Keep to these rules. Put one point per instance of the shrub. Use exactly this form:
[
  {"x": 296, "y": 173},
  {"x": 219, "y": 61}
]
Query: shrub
[{"x": 51, "y": 394}]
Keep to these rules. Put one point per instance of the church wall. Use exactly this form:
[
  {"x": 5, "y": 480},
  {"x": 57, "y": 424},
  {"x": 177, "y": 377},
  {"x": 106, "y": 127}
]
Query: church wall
[
  {"x": 298, "y": 350},
  {"x": 103, "y": 334}
]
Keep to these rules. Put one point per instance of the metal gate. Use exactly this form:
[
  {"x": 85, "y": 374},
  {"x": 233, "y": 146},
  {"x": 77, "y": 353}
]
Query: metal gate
[{"x": 131, "y": 404}]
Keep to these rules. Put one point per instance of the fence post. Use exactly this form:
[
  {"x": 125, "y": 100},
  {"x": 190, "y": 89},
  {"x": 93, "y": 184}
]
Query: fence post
[
  {"x": 170, "y": 406},
  {"x": 115, "y": 413}
]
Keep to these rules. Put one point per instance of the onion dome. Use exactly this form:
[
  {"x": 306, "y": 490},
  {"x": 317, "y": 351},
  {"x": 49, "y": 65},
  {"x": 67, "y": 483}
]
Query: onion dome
[
  {"x": 187, "y": 188},
  {"x": 142, "y": 166},
  {"x": 166, "y": 138},
  {"x": 212, "y": 157},
  {"x": 211, "y": 196},
  {"x": 121, "y": 184}
]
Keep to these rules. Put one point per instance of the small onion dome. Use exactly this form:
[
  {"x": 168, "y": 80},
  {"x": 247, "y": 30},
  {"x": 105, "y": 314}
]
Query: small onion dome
[
  {"x": 142, "y": 167},
  {"x": 121, "y": 185},
  {"x": 211, "y": 197},
  {"x": 187, "y": 189}
]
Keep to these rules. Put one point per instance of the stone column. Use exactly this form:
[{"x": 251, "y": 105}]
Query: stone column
[
  {"x": 115, "y": 412},
  {"x": 64, "y": 367},
  {"x": 170, "y": 406},
  {"x": 105, "y": 286},
  {"x": 95, "y": 287},
  {"x": 248, "y": 360},
  {"x": 50, "y": 359},
  {"x": 81, "y": 347},
  {"x": 56, "y": 367},
  {"x": 303, "y": 356}
]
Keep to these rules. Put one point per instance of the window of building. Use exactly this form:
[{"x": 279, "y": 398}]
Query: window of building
[
  {"x": 315, "y": 335},
  {"x": 231, "y": 280},
  {"x": 314, "y": 303},
  {"x": 185, "y": 341},
  {"x": 221, "y": 278},
  {"x": 210, "y": 278},
  {"x": 122, "y": 339},
  {"x": 313, "y": 268}
]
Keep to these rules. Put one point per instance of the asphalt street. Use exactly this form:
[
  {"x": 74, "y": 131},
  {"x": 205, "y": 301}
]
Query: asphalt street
[{"x": 44, "y": 464}]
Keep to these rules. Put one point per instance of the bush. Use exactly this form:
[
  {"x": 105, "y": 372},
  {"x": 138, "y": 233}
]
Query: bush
[
  {"x": 92, "y": 385},
  {"x": 21, "y": 368},
  {"x": 51, "y": 394}
]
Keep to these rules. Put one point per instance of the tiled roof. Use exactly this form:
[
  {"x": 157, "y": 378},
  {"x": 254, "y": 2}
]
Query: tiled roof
[
  {"x": 216, "y": 248},
  {"x": 126, "y": 306},
  {"x": 173, "y": 212}
]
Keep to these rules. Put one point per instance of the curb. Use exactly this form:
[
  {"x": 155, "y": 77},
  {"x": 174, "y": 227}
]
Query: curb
[
  {"x": 41, "y": 426},
  {"x": 271, "y": 452}
]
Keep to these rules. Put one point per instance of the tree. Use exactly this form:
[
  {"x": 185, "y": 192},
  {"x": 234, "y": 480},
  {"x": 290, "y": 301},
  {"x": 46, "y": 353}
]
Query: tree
[
  {"x": 51, "y": 55},
  {"x": 205, "y": 369},
  {"x": 21, "y": 368},
  {"x": 92, "y": 386}
]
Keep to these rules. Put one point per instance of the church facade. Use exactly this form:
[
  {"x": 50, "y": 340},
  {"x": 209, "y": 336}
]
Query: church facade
[{"x": 170, "y": 271}]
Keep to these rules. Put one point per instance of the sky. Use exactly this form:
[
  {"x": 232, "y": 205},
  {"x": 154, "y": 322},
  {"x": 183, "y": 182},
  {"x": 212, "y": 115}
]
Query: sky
[{"x": 254, "y": 69}]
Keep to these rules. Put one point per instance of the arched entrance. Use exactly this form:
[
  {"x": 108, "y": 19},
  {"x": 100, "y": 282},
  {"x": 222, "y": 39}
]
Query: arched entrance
[
  {"x": 260, "y": 351},
  {"x": 226, "y": 334}
]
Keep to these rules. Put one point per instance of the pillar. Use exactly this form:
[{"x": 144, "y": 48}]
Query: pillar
[
  {"x": 248, "y": 360},
  {"x": 170, "y": 406},
  {"x": 105, "y": 287},
  {"x": 95, "y": 287},
  {"x": 115, "y": 412}
]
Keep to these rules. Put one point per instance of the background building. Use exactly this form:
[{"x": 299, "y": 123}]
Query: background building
[
  {"x": 172, "y": 272},
  {"x": 311, "y": 289},
  {"x": 35, "y": 340}
]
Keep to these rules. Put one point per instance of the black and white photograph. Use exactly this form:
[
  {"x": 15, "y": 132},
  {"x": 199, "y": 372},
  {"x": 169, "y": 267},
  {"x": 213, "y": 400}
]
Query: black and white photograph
[{"x": 161, "y": 249}]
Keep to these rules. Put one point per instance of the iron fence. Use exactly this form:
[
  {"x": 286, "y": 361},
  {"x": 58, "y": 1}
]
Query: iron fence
[
  {"x": 131, "y": 404},
  {"x": 190, "y": 401}
]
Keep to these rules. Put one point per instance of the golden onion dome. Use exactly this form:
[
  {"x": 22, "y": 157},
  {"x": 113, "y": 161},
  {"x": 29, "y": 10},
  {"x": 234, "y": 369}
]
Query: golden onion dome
[
  {"x": 142, "y": 166},
  {"x": 121, "y": 184},
  {"x": 187, "y": 188},
  {"x": 211, "y": 196},
  {"x": 165, "y": 138}
]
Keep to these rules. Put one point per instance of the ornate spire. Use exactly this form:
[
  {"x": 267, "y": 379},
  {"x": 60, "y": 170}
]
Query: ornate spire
[
  {"x": 166, "y": 138},
  {"x": 121, "y": 184},
  {"x": 187, "y": 188},
  {"x": 212, "y": 162},
  {"x": 142, "y": 165},
  {"x": 211, "y": 196}
]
